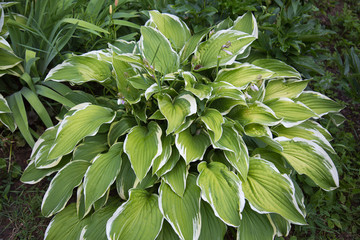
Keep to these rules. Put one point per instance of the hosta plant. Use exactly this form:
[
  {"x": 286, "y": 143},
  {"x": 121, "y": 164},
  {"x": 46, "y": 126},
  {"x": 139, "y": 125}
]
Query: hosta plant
[{"x": 192, "y": 141}]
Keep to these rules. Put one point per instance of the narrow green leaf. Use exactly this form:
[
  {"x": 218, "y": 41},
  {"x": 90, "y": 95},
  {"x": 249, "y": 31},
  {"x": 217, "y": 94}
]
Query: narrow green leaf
[
  {"x": 221, "y": 188},
  {"x": 87, "y": 26},
  {"x": 170, "y": 163},
  {"x": 306, "y": 157},
  {"x": 102, "y": 174},
  {"x": 85, "y": 121},
  {"x": 143, "y": 145},
  {"x": 268, "y": 191},
  {"x": 17, "y": 107},
  {"x": 185, "y": 218},
  {"x": 61, "y": 187},
  {"x": 138, "y": 218},
  {"x": 192, "y": 147},
  {"x": 47, "y": 92},
  {"x": 35, "y": 103}
]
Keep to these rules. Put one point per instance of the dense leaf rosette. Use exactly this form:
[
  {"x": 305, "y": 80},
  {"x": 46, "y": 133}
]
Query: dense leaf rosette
[{"x": 194, "y": 139}]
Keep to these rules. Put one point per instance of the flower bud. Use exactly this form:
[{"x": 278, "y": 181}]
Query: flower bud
[{"x": 110, "y": 9}]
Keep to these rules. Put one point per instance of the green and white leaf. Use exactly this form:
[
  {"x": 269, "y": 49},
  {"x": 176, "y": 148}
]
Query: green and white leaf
[
  {"x": 170, "y": 164},
  {"x": 85, "y": 121},
  {"x": 280, "y": 69},
  {"x": 8, "y": 59},
  {"x": 42, "y": 147},
  {"x": 281, "y": 225},
  {"x": 138, "y": 218},
  {"x": 102, "y": 174},
  {"x": 4, "y": 107},
  {"x": 256, "y": 112},
  {"x": 126, "y": 178},
  {"x": 191, "y": 44},
  {"x": 319, "y": 103},
  {"x": 32, "y": 175},
  {"x": 311, "y": 134},
  {"x": 143, "y": 146},
  {"x": 268, "y": 191},
  {"x": 119, "y": 128},
  {"x": 211, "y": 226},
  {"x": 167, "y": 232},
  {"x": 176, "y": 178},
  {"x": 62, "y": 185},
  {"x": 80, "y": 69},
  {"x": 292, "y": 113},
  {"x": 157, "y": 50},
  {"x": 161, "y": 160},
  {"x": 200, "y": 90},
  {"x": 255, "y": 226},
  {"x": 95, "y": 228},
  {"x": 235, "y": 150},
  {"x": 246, "y": 23},
  {"x": 209, "y": 53},
  {"x": 307, "y": 157},
  {"x": 185, "y": 218},
  {"x": 173, "y": 28},
  {"x": 175, "y": 111},
  {"x": 242, "y": 75},
  {"x": 66, "y": 225},
  {"x": 221, "y": 188},
  {"x": 226, "y": 90},
  {"x": 213, "y": 121},
  {"x": 284, "y": 88},
  {"x": 192, "y": 147},
  {"x": 89, "y": 150}
]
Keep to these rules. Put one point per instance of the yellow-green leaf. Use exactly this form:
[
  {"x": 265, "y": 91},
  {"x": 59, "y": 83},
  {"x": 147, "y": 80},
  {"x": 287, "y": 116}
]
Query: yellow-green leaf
[
  {"x": 143, "y": 146},
  {"x": 269, "y": 191},
  {"x": 221, "y": 188},
  {"x": 138, "y": 218},
  {"x": 183, "y": 213}
]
